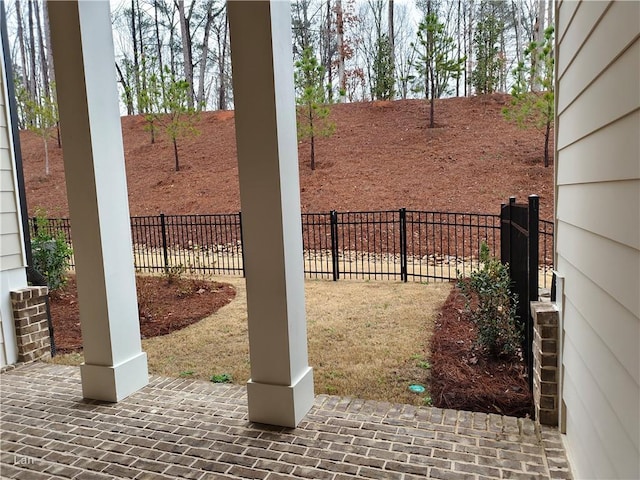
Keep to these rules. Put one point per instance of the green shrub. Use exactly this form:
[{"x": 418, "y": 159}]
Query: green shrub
[
  {"x": 492, "y": 305},
  {"x": 222, "y": 378},
  {"x": 51, "y": 254}
]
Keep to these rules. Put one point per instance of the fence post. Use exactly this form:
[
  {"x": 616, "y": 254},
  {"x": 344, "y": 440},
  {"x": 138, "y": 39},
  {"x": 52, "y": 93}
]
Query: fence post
[
  {"x": 165, "y": 253},
  {"x": 534, "y": 252},
  {"x": 244, "y": 272},
  {"x": 505, "y": 231},
  {"x": 335, "y": 264},
  {"x": 34, "y": 225},
  {"x": 404, "y": 276}
]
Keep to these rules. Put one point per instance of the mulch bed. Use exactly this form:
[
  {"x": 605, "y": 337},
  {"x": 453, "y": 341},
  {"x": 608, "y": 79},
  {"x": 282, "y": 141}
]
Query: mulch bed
[
  {"x": 463, "y": 377},
  {"x": 163, "y": 307}
]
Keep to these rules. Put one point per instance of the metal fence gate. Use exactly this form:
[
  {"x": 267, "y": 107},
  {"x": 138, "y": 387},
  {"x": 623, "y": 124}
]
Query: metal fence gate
[{"x": 519, "y": 248}]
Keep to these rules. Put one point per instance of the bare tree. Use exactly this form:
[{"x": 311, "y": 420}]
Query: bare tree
[
  {"x": 469, "y": 50},
  {"x": 392, "y": 37},
  {"x": 23, "y": 52},
  {"x": 342, "y": 78},
  {"x": 404, "y": 51},
  {"x": 33, "y": 90},
  {"x": 136, "y": 62},
  {"x": 329, "y": 50},
  {"x": 538, "y": 39},
  {"x": 44, "y": 71},
  {"x": 224, "y": 79},
  {"x": 158, "y": 42},
  {"x": 517, "y": 22},
  {"x": 204, "y": 56},
  {"x": 185, "y": 32},
  {"x": 301, "y": 26}
]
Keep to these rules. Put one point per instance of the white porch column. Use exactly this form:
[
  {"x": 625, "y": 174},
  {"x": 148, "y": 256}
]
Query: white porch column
[
  {"x": 281, "y": 387},
  {"x": 115, "y": 365}
]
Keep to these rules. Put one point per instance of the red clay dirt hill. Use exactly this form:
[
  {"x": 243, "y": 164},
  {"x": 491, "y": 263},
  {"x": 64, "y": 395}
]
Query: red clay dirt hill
[{"x": 381, "y": 157}]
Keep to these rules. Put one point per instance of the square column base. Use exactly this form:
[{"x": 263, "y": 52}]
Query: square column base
[
  {"x": 283, "y": 405},
  {"x": 113, "y": 383}
]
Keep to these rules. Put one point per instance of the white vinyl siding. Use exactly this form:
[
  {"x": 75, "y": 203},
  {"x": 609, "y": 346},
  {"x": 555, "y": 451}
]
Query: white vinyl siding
[
  {"x": 599, "y": 45},
  {"x": 10, "y": 238},
  {"x": 572, "y": 35},
  {"x": 598, "y": 233},
  {"x": 589, "y": 206},
  {"x": 4, "y": 135},
  {"x": 606, "y": 100},
  {"x": 583, "y": 162},
  {"x": 12, "y": 263}
]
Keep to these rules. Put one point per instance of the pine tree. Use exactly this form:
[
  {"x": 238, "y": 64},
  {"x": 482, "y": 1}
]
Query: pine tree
[
  {"x": 489, "y": 61},
  {"x": 167, "y": 101},
  {"x": 312, "y": 112},
  {"x": 383, "y": 81},
  {"x": 437, "y": 61},
  {"x": 529, "y": 107},
  {"x": 40, "y": 117}
]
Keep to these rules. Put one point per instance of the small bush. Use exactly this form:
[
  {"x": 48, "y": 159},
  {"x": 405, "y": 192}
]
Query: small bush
[
  {"x": 222, "y": 378},
  {"x": 492, "y": 305},
  {"x": 51, "y": 254},
  {"x": 174, "y": 273}
]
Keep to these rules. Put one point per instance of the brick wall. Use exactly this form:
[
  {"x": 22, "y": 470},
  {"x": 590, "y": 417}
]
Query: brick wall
[
  {"x": 545, "y": 362},
  {"x": 32, "y": 323}
]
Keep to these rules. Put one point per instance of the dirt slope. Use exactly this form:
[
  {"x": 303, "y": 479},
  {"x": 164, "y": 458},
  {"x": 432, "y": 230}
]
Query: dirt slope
[{"x": 382, "y": 156}]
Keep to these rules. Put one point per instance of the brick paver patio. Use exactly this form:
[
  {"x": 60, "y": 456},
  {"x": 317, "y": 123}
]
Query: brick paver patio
[{"x": 187, "y": 429}]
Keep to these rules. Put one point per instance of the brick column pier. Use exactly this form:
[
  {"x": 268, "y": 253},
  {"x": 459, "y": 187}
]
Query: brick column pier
[
  {"x": 545, "y": 362},
  {"x": 32, "y": 324}
]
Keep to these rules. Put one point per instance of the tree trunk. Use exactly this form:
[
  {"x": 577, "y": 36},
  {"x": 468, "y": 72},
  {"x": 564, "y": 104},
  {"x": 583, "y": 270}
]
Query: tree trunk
[
  {"x": 539, "y": 38},
  {"x": 44, "y": 71},
  {"x": 159, "y": 48},
  {"x": 186, "y": 50},
  {"x": 458, "y": 47},
  {"x": 540, "y": 20},
  {"x": 342, "y": 78},
  {"x": 547, "y": 135},
  {"x": 52, "y": 75},
  {"x": 46, "y": 154},
  {"x": 328, "y": 54},
  {"x": 205, "y": 55},
  {"x": 470, "y": 48},
  {"x": 432, "y": 120},
  {"x": 503, "y": 64},
  {"x": 517, "y": 25},
  {"x": 127, "y": 91},
  {"x": 143, "y": 62},
  {"x": 172, "y": 55},
  {"x": 33, "y": 89},
  {"x": 23, "y": 51},
  {"x": 175, "y": 154},
  {"x": 313, "y": 143},
  {"x": 392, "y": 44},
  {"x": 222, "y": 66},
  {"x": 136, "y": 64}
]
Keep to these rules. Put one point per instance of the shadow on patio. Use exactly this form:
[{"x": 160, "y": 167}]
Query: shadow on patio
[{"x": 183, "y": 428}]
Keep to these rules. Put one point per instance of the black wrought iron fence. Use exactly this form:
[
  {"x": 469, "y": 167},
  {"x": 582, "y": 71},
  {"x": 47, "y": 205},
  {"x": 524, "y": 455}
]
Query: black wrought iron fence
[
  {"x": 391, "y": 245},
  {"x": 441, "y": 244},
  {"x": 190, "y": 243}
]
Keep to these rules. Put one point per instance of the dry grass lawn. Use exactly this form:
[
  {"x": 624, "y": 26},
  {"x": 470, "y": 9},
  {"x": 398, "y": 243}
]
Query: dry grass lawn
[{"x": 366, "y": 339}]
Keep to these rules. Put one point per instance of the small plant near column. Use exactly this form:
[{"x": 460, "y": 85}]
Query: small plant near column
[
  {"x": 492, "y": 305},
  {"x": 51, "y": 253}
]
